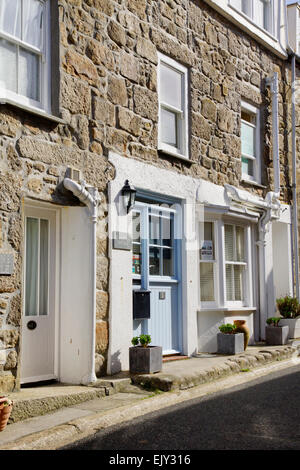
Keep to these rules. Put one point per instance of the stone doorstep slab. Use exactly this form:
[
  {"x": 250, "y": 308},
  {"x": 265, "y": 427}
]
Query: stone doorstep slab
[
  {"x": 191, "y": 374},
  {"x": 38, "y": 401}
]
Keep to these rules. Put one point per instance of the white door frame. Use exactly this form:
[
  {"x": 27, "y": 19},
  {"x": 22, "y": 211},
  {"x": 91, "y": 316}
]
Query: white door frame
[{"x": 39, "y": 205}]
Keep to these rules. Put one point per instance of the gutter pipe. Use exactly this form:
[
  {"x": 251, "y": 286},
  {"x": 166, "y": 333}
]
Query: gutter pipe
[
  {"x": 295, "y": 254},
  {"x": 90, "y": 197}
]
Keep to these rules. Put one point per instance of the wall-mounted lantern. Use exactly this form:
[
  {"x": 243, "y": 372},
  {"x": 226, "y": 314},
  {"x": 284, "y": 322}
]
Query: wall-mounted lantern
[{"x": 128, "y": 193}]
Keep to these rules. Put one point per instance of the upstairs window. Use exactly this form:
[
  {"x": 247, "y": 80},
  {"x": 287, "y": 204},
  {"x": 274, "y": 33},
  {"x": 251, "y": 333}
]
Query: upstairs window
[
  {"x": 172, "y": 93},
  {"x": 260, "y": 11},
  {"x": 250, "y": 143},
  {"x": 24, "y": 52}
]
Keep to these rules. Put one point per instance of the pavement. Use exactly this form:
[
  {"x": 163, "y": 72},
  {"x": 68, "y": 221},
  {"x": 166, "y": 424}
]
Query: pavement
[{"x": 51, "y": 416}]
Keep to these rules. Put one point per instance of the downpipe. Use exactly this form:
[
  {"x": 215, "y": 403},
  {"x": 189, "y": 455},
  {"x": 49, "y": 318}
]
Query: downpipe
[{"x": 90, "y": 197}]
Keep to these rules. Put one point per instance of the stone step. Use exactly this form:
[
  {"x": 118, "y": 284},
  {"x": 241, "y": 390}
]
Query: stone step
[{"x": 37, "y": 401}]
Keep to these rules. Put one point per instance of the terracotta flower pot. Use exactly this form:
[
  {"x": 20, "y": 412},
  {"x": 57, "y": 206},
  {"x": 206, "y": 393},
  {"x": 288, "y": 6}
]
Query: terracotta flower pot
[
  {"x": 5, "y": 411},
  {"x": 242, "y": 327}
]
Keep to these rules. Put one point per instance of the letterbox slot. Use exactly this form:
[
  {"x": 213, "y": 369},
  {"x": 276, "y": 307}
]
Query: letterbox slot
[{"x": 141, "y": 304}]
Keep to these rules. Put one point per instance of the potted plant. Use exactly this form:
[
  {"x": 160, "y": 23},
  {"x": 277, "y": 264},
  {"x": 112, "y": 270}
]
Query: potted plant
[
  {"x": 276, "y": 334},
  {"x": 229, "y": 340},
  {"x": 144, "y": 359},
  {"x": 289, "y": 309},
  {"x": 5, "y": 410}
]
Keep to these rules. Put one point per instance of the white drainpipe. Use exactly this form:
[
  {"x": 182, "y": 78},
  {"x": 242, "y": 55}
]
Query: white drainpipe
[
  {"x": 294, "y": 182},
  {"x": 89, "y": 196},
  {"x": 295, "y": 252}
]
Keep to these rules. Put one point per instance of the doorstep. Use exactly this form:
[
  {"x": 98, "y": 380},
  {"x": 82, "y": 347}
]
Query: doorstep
[
  {"x": 174, "y": 357},
  {"x": 204, "y": 368}
]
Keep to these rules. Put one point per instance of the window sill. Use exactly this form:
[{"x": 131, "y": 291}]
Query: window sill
[
  {"x": 31, "y": 109},
  {"x": 253, "y": 183},
  {"x": 174, "y": 154},
  {"x": 227, "y": 309}
]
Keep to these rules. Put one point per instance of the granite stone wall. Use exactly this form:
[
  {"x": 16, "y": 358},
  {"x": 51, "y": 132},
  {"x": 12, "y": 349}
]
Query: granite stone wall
[{"x": 108, "y": 101}]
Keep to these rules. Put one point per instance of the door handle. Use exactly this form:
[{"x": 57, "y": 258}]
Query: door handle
[{"x": 31, "y": 325}]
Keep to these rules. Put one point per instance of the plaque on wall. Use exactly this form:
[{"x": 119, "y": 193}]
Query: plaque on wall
[
  {"x": 6, "y": 264},
  {"x": 121, "y": 241}
]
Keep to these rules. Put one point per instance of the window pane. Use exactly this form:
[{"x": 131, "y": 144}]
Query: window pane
[
  {"x": 136, "y": 259},
  {"x": 259, "y": 13},
  {"x": 207, "y": 282},
  {"x": 29, "y": 76},
  {"x": 170, "y": 86},
  {"x": 32, "y": 243},
  {"x": 8, "y": 65},
  {"x": 167, "y": 224},
  {"x": 238, "y": 282},
  {"x": 236, "y": 3},
  {"x": 207, "y": 242},
  {"x": 247, "y": 166},
  {"x": 169, "y": 127},
  {"x": 136, "y": 227},
  {"x": 248, "y": 139},
  {"x": 32, "y": 22},
  {"x": 229, "y": 248},
  {"x": 43, "y": 299},
  {"x": 229, "y": 283},
  {"x": 168, "y": 262},
  {"x": 240, "y": 244},
  {"x": 154, "y": 261},
  {"x": 246, "y": 7},
  {"x": 10, "y": 17},
  {"x": 154, "y": 230}
]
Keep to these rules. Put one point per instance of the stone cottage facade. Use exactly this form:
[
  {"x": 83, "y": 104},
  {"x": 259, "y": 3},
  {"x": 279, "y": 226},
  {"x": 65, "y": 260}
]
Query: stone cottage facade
[{"x": 97, "y": 115}]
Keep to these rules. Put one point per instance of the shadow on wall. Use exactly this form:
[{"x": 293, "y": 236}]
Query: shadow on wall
[{"x": 115, "y": 363}]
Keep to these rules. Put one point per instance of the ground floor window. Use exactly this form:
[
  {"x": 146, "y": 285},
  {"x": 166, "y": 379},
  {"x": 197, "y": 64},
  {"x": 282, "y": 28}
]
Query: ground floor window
[{"x": 224, "y": 263}]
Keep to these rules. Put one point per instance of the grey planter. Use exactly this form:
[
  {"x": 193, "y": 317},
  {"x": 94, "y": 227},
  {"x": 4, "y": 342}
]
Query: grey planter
[
  {"x": 294, "y": 326},
  {"x": 230, "y": 343},
  {"x": 277, "y": 335},
  {"x": 145, "y": 360}
]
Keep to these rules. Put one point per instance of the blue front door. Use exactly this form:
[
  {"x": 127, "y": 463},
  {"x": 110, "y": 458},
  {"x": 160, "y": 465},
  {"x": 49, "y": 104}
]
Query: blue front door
[{"x": 156, "y": 266}]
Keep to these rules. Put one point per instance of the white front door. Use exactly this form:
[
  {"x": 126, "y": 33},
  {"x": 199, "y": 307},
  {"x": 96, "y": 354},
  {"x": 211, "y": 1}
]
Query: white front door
[{"x": 38, "y": 323}]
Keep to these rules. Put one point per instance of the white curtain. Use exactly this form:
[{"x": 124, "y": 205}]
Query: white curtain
[
  {"x": 29, "y": 74},
  {"x": 32, "y": 22},
  {"x": 8, "y": 65},
  {"x": 10, "y": 17}
]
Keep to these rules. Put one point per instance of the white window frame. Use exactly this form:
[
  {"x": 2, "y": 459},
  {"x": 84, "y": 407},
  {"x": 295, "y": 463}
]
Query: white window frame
[
  {"x": 183, "y": 150},
  {"x": 45, "y": 75},
  {"x": 251, "y": 16},
  {"x": 247, "y": 278},
  {"x": 256, "y": 178},
  {"x": 221, "y": 302}
]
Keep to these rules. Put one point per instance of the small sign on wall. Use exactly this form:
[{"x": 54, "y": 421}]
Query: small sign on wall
[
  {"x": 6, "y": 264},
  {"x": 207, "y": 250},
  {"x": 121, "y": 241}
]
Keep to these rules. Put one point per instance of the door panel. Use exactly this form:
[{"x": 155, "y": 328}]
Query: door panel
[
  {"x": 159, "y": 271},
  {"x": 163, "y": 324},
  {"x": 38, "y": 323}
]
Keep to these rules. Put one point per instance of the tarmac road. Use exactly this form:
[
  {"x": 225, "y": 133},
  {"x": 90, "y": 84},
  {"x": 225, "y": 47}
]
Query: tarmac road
[{"x": 263, "y": 414}]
